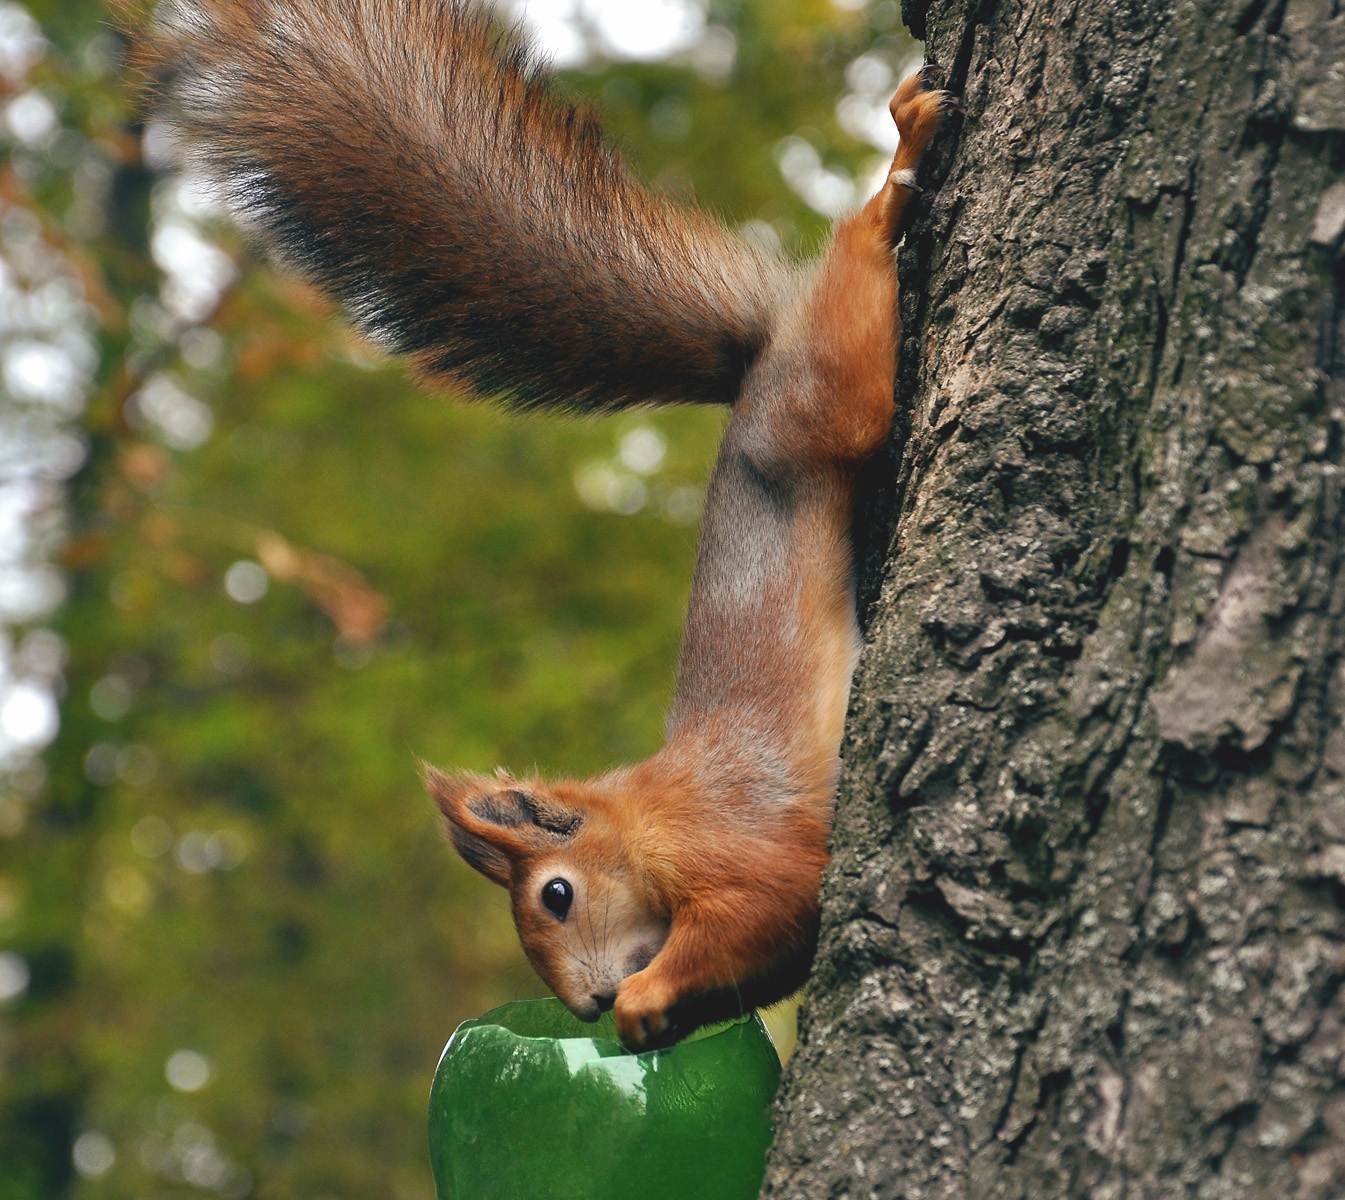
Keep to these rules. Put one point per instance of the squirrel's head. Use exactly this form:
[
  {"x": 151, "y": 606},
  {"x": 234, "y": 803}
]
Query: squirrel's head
[{"x": 584, "y": 909}]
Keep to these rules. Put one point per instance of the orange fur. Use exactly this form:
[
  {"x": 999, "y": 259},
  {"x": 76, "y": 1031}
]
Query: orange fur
[
  {"x": 412, "y": 160},
  {"x": 692, "y": 839}
]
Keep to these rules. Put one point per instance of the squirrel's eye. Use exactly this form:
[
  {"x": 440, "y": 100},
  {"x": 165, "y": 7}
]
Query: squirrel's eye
[{"x": 557, "y": 896}]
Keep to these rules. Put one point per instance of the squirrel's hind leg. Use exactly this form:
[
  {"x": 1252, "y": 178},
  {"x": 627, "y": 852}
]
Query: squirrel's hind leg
[
  {"x": 853, "y": 318},
  {"x": 920, "y": 110}
]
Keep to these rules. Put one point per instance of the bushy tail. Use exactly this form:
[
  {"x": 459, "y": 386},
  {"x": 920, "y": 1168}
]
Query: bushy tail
[{"x": 408, "y": 156}]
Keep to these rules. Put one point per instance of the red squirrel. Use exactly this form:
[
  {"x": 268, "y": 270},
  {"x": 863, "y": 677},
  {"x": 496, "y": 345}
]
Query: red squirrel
[{"x": 410, "y": 158}]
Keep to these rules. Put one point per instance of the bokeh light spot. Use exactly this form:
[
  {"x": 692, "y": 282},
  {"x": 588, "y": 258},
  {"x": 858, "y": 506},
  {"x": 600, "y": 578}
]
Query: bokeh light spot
[
  {"x": 14, "y": 975},
  {"x": 94, "y": 1155},
  {"x": 246, "y": 581},
  {"x": 28, "y": 715},
  {"x": 187, "y": 1070}
]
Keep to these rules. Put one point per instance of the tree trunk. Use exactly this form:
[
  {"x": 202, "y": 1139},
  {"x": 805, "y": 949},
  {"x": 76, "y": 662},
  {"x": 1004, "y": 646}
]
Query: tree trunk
[{"x": 1084, "y": 931}]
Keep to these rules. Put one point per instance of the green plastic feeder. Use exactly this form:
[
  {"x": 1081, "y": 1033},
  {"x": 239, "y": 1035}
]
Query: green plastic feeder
[{"x": 529, "y": 1103}]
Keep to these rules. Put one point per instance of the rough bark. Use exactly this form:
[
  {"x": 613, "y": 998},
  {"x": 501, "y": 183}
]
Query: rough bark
[{"x": 1084, "y": 931}]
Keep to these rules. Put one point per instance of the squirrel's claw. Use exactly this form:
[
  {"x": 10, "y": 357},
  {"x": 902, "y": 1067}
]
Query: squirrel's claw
[{"x": 641, "y": 1013}]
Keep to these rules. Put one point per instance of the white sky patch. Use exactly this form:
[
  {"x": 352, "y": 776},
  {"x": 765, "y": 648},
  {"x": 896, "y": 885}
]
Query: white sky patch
[
  {"x": 566, "y": 30},
  {"x": 716, "y": 54},
  {"x": 26, "y": 452},
  {"x": 28, "y": 593},
  {"x": 48, "y": 355},
  {"x": 198, "y": 272},
  {"x": 862, "y": 112},
  {"x": 45, "y": 373},
  {"x": 31, "y": 517},
  {"x": 28, "y": 715},
  {"x": 21, "y": 42},
  {"x": 648, "y": 31},
  {"x": 31, "y": 118},
  {"x": 829, "y": 191},
  {"x": 183, "y": 421},
  {"x": 17, "y": 502},
  {"x": 14, "y": 976}
]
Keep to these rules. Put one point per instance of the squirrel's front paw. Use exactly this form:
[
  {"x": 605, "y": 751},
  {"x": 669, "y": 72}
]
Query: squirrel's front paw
[{"x": 641, "y": 1012}]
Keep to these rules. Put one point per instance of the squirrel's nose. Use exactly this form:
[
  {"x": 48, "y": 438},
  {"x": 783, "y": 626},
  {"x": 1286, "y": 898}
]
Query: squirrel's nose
[{"x": 604, "y": 1002}]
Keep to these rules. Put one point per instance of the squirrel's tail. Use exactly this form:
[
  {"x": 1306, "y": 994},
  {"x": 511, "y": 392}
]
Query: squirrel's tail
[{"x": 409, "y": 157}]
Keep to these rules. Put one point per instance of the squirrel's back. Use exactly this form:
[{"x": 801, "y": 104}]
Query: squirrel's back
[{"x": 410, "y": 158}]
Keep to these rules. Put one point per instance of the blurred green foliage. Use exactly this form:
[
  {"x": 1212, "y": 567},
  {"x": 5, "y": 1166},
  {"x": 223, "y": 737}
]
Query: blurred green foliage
[{"x": 247, "y": 937}]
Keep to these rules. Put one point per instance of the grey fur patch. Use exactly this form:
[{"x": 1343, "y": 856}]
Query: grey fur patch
[{"x": 512, "y": 809}]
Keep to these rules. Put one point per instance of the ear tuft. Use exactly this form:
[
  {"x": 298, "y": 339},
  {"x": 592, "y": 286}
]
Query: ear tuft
[
  {"x": 476, "y": 842},
  {"x": 449, "y": 792}
]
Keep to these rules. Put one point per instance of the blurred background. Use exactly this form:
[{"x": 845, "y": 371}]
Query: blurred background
[{"x": 248, "y": 572}]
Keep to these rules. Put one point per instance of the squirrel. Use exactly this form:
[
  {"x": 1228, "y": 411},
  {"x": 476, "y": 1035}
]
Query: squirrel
[{"x": 412, "y": 159}]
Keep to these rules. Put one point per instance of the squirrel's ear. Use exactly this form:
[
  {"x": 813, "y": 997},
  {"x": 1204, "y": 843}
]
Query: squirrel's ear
[
  {"x": 493, "y": 822},
  {"x": 483, "y": 844}
]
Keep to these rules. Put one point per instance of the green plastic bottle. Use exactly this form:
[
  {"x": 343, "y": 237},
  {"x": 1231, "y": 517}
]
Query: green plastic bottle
[{"x": 528, "y": 1103}]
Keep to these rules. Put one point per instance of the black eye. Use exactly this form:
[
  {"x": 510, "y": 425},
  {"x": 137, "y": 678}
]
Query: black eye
[{"x": 557, "y": 896}]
